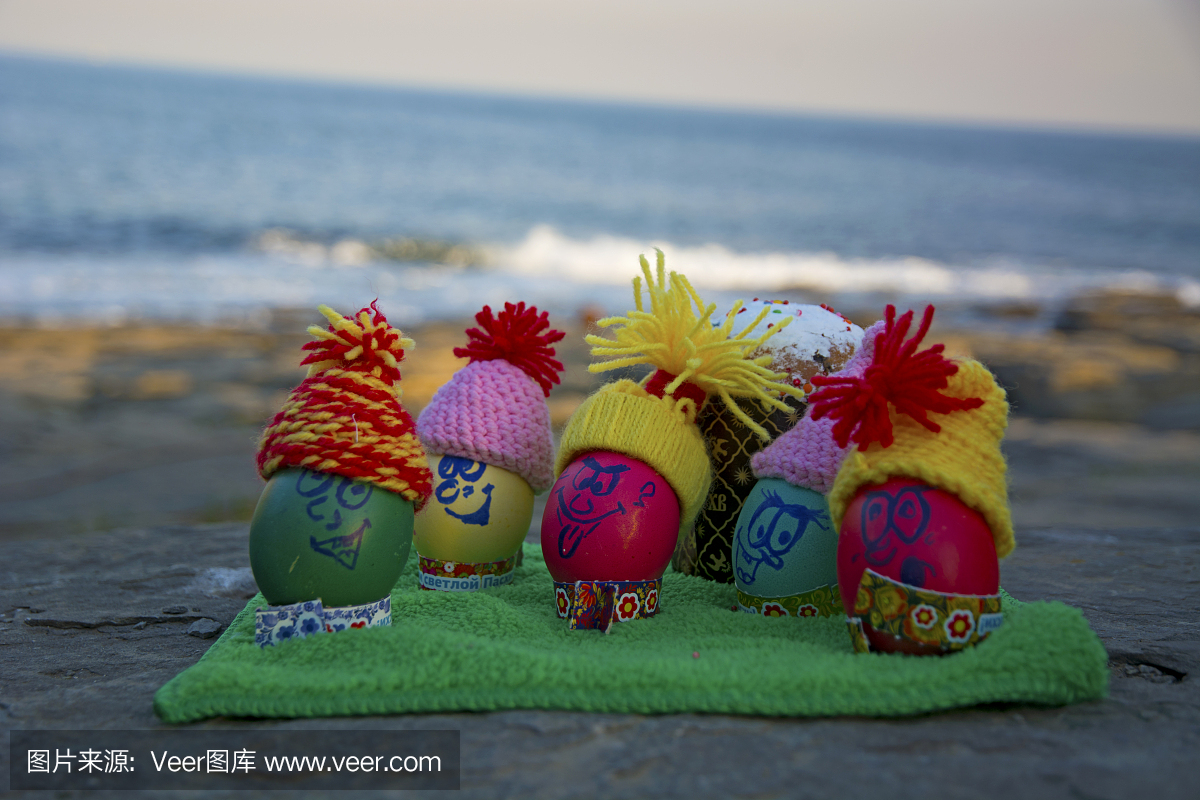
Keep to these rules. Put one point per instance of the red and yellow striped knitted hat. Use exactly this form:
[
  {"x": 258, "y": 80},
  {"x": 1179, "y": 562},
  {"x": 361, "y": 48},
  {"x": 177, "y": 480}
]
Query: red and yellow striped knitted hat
[{"x": 345, "y": 417}]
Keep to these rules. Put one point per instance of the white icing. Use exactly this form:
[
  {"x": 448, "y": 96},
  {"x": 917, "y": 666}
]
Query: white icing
[{"x": 811, "y": 337}]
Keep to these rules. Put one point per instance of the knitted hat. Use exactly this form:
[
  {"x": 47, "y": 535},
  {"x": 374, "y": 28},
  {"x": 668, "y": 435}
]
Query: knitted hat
[
  {"x": 654, "y": 421},
  {"x": 494, "y": 409},
  {"x": 345, "y": 418},
  {"x": 807, "y": 455},
  {"x": 884, "y": 411}
]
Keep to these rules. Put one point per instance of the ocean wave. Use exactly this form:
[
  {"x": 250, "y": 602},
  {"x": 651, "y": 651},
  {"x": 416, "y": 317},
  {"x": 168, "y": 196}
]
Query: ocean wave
[
  {"x": 352, "y": 252},
  {"x": 546, "y": 268},
  {"x": 614, "y": 260}
]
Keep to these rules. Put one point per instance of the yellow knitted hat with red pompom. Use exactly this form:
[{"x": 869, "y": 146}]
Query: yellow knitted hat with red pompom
[
  {"x": 654, "y": 421},
  {"x": 923, "y": 416}
]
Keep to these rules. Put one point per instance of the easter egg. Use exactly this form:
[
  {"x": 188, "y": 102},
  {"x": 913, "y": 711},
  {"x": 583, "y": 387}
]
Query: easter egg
[
  {"x": 784, "y": 543},
  {"x": 478, "y": 512},
  {"x": 609, "y": 517},
  {"x": 318, "y": 535},
  {"x": 917, "y": 535}
]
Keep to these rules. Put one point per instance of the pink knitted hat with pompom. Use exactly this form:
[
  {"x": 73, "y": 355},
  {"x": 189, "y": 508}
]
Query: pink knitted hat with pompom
[
  {"x": 494, "y": 409},
  {"x": 807, "y": 455}
]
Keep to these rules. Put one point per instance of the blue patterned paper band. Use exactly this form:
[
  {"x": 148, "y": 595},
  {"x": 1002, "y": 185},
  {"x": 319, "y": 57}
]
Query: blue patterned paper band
[{"x": 276, "y": 624}]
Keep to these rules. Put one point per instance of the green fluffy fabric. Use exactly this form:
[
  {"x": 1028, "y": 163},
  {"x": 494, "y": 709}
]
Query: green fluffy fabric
[{"x": 507, "y": 648}]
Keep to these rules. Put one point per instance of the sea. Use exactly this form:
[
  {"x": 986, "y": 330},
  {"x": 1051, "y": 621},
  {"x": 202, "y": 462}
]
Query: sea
[{"x": 132, "y": 194}]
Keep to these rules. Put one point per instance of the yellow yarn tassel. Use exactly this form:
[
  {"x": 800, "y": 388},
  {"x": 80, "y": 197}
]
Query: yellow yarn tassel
[{"x": 676, "y": 335}]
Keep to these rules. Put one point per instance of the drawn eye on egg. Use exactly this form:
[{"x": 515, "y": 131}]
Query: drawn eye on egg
[
  {"x": 766, "y": 540},
  {"x": 359, "y": 494},
  {"x": 601, "y": 481},
  {"x": 911, "y": 515},
  {"x": 315, "y": 486},
  {"x": 875, "y": 513}
]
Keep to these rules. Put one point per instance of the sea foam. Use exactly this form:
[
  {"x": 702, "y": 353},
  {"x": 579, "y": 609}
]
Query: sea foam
[{"x": 547, "y": 268}]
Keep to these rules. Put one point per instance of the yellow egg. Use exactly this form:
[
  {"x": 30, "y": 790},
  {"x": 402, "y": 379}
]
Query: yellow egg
[{"x": 478, "y": 512}]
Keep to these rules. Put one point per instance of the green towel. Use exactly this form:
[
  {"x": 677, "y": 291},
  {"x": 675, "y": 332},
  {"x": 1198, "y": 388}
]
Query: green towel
[{"x": 506, "y": 648}]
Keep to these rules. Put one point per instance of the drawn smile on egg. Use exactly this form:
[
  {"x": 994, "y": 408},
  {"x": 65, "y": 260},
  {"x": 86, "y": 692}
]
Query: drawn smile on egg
[{"x": 578, "y": 523}]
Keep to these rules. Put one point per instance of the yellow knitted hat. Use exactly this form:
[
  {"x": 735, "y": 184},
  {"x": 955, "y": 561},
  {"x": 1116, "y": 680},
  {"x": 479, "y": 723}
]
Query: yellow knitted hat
[
  {"x": 654, "y": 421},
  {"x": 955, "y": 448}
]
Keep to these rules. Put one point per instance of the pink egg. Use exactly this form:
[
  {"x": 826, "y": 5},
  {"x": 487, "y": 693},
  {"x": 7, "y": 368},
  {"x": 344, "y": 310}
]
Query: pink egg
[
  {"x": 917, "y": 535},
  {"x": 609, "y": 517}
]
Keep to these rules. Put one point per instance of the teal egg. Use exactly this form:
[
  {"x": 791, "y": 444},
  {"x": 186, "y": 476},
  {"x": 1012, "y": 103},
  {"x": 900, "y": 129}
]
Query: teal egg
[
  {"x": 317, "y": 535},
  {"x": 784, "y": 543}
]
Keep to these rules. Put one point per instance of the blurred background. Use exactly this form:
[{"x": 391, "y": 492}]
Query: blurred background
[{"x": 181, "y": 184}]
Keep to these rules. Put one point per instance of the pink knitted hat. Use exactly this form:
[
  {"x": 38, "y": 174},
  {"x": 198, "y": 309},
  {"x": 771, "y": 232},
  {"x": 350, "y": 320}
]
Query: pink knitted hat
[
  {"x": 807, "y": 455},
  {"x": 494, "y": 409}
]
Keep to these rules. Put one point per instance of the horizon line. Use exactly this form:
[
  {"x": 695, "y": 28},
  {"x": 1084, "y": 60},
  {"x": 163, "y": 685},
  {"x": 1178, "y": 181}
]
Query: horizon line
[{"x": 1014, "y": 125}]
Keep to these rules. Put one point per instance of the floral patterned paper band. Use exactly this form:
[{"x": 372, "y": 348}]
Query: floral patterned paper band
[
  {"x": 276, "y": 624},
  {"x": 934, "y": 621},
  {"x": 463, "y": 576},
  {"x": 824, "y": 601},
  {"x": 590, "y": 605}
]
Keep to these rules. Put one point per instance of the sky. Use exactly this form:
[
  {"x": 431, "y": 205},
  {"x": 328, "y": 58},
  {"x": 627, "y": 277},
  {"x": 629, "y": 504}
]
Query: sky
[{"x": 1130, "y": 65}]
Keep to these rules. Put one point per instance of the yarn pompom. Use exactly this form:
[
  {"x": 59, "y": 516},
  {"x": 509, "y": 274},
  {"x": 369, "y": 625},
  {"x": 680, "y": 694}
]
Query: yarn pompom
[
  {"x": 363, "y": 343},
  {"x": 898, "y": 375},
  {"x": 694, "y": 358},
  {"x": 515, "y": 335}
]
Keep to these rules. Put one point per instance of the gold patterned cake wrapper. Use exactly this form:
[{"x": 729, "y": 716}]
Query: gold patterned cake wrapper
[
  {"x": 935, "y": 620},
  {"x": 707, "y": 549},
  {"x": 817, "y": 341},
  {"x": 824, "y": 601}
]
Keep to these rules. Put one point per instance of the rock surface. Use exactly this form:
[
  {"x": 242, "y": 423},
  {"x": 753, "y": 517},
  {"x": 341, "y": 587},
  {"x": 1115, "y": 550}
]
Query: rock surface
[
  {"x": 91, "y": 627},
  {"x": 1119, "y": 357},
  {"x": 204, "y": 628},
  {"x": 143, "y": 425}
]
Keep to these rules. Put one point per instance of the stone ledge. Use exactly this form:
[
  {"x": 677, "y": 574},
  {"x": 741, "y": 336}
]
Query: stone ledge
[{"x": 1136, "y": 587}]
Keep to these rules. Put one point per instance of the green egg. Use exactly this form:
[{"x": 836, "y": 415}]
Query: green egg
[
  {"x": 784, "y": 543},
  {"x": 318, "y": 535}
]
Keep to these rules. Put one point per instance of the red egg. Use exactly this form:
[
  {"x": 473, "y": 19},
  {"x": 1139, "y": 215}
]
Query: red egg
[
  {"x": 609, "y": 517},
  {"x": 918, "y": 535}
]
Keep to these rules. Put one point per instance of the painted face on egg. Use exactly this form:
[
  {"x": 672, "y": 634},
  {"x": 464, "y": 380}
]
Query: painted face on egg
[
  {"x": 918, "y": 535},
  {"x": 609, "y": 517},
  {"x": 319, "y": 535},
  {"x": 784, "y": 542},
  {"x": 478, "y": 513}
]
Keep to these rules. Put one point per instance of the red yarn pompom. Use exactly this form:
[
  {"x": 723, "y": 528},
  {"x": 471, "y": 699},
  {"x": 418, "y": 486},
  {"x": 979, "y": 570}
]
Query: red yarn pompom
[
  {"x": 899, "y": 375},
  {"x": 374, "y": 343},
  {"x": 515, "y": 335}
]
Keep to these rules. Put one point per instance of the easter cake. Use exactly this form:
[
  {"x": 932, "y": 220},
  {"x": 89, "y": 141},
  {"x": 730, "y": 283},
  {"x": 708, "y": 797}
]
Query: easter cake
[{"x": 808, "y": 340}]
